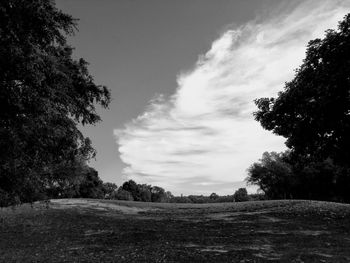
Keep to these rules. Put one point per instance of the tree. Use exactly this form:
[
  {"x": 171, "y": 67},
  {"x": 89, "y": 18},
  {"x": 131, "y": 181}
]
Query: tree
[
  {"x": 322, "y": 180},
  {"x": 133, "y": 189},
  {"x": 273, "y": 174},
  {"x": 180, "y": 199},
  {"x": 145, "y": 192},
  {"x": 63, "y": 180},
  {"x": 168, "y": 196},
  {"x": 44, "y": 95},
  {"x": 91, "y": 186},
  {"x": 284, "y": 176},
  {"x": 158, "y": 194},
  {"x": 77, "y": 180},
  {"x": 124, "y": 195},
  {"x": 213, "y": 196},
  {"x": 241, "y": 195},
  {"x": 313, "y": 111},
  {"x": 109, "y": 190}
]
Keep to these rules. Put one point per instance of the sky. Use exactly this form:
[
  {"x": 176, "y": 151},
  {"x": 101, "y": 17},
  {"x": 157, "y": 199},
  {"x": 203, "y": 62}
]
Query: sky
[{"x": 183, "y": 76}]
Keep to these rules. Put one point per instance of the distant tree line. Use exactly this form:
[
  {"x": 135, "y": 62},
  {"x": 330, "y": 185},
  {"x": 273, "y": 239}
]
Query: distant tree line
[
  {"x": 82, "y": 181},
  {"x": 313, "y": 114},
  {"x": 240, "y": 195},
  {"x": 89, "y": 185},
  {"x": 131, "y": 191}
]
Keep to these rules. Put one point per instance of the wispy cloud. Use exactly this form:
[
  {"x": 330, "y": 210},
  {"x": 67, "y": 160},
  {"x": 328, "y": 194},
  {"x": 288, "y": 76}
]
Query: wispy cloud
[{"x": 203, "y": 137}]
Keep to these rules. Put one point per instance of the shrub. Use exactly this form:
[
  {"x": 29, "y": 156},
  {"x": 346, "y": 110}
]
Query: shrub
[
  {"x": 241, "y": 195},
  {"x": 124, "y": 195}
]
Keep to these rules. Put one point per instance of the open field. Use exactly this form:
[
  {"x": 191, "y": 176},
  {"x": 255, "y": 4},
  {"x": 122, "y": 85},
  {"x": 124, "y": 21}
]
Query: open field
[{"x": 78, "y": 230}]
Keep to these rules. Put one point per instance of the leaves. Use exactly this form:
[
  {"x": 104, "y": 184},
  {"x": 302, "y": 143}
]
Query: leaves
[
  {"x": 44, "y": 94},
  {"x": 313, "y": 110}
]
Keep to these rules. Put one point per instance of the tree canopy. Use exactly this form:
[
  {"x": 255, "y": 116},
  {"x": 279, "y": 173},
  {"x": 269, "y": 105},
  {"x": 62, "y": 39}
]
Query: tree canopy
[
  {"x": 313, "y": 111},
  {"x": 241, "y": 195},
  {"x": 44, "y": 94},
  {"x": 273, "y": 174},
  {"x": 287, "y": 176}
]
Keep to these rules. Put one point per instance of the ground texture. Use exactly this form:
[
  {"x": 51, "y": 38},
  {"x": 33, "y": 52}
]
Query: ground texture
[{"x": 78, "y": 230}]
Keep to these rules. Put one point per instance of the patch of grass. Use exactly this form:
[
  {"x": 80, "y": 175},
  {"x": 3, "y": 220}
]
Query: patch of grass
[{"x": 287, "y": 231}]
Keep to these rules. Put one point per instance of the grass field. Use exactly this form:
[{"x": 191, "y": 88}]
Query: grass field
[{"x": 79, "y": 230}]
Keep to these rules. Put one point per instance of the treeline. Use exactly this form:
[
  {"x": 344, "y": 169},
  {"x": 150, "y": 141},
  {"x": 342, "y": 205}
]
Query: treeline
[
  {"x": 284, "y": 176},
  {"x": 132, "y": 191},
  {"x": 89, "y": 185},
  {"x": 81, "y": 181},
  {"x": 313, "y": 114},
  {"x": 240, "y": 195}
]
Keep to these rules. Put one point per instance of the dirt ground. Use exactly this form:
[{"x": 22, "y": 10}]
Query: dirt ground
[{"x": 80, "y": 230}]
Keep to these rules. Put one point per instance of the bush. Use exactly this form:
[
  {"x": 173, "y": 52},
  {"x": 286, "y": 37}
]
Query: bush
[
  {"x": 257, "y": 197},
  {"x": 158, "y": 194},
  {"x": 180, "y": 199},
  {"x": 133, "y": 189},
  {"x": 146, "y": 195},
  {"x": 124, "y": 195},
  {"x": 109, "y": 190},
  {"x": 287, "y": 176},
  {"x": 199, "y": 199},
  {"x": 225, "y": 199},
  {"x": 241, "y": 195},
  {"x": 213, "y": 196},
  {"x": 7, "y": 199}
]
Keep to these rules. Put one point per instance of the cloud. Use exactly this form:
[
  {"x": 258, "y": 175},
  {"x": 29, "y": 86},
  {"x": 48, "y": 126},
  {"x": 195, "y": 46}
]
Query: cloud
[{"x": 203, "y": 137}]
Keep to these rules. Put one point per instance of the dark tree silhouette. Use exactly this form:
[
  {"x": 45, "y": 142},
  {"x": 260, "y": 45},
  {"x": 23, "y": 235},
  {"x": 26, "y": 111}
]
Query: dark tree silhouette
[
  {"x": 213, "y": 196},
  {"x": 158, "y": 194},
  {"x": 273, "y": 174},
  {"x": 241, "y": 195},
  {"x": 91, "y": 186},
  {"x": 145, "y": 192},
  {"x": 109, "y": 190},
  {"x": 124, "y": 195},
  {"x": 286, "y": 176},
  {"x": 133, "y": 189},
  {"x": 313, "y": 111},
  {"x": 44, "y": 95}
]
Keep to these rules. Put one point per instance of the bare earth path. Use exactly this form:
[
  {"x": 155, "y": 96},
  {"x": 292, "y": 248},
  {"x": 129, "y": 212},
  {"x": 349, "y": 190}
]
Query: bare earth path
[{"x": 80, "y": 230}]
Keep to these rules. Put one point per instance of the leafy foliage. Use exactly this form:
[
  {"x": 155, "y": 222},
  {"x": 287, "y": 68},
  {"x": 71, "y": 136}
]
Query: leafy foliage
[
  {"x": 181, "y": 200},
  {"x": 284, "y": 176},
  {"x": 75, "y": 181},
  {"x": 273, "y": 174},
  {"x": 145, "y": 193},
  {"x": 158, "y": 194},
  {"x": 44, "y": 95},
  {"x": 91, "y": 186},
  {"x": 313, "y": 111},
  {"x": 213, "y": 196},
  {"x": 124, "y": 195},
  {"x": 133, "y": 189},
  {"x": 202, "y": 199},
  {"x": 109, "y": 190},
  {"x": 241, "y": 195}
]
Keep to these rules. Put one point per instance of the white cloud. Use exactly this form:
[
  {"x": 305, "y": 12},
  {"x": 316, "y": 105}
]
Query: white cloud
[{"x": 203, "y": 138}]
